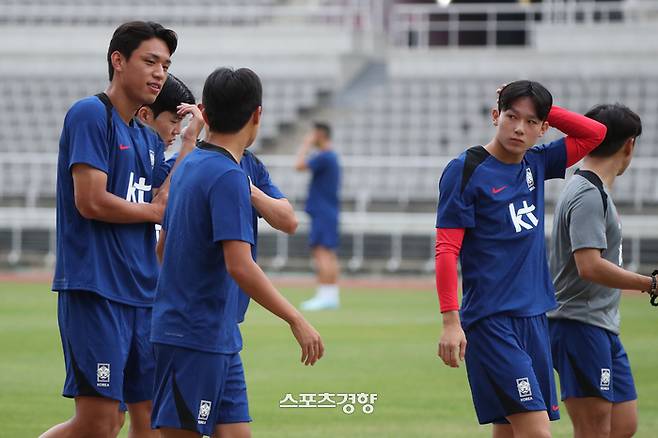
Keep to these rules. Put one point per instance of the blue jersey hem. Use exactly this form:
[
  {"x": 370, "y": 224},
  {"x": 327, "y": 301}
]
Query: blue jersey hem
[
  {"x": 191, "y": 346},
  {"x": 57, "y": 287}
]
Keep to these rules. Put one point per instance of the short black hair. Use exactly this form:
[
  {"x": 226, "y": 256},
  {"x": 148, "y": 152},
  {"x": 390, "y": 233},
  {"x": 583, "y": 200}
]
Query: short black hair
[
  {"x": 540, "y": 96},
  {"x": 173, "y": 93},
  {"x": 129, "y": 36},
  {"x": 622, "y": 124},
  {"x": 324, "y": 127},
  {"x": 230, "y": 97}
]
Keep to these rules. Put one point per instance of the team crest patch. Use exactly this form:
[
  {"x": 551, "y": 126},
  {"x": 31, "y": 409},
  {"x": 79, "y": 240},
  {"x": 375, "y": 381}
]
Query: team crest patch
[
  {"x": 529, "y": 179},
  {"x": 103, "y": 374},
  {"x": 204, "y": 411},
  {"x": 523, "y": 386},
  {"x": 152, "y": 157},
  {"x": 605, "y": 379}
]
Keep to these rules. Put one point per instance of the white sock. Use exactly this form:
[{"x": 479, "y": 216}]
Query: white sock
[{"x": 328, "y": 291}]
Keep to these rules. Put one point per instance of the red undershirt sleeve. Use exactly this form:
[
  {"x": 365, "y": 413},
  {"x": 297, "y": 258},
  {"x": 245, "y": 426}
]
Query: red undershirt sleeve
[
  {"x": 583, "y": 134},
  {"x": 448, "y": 245}
]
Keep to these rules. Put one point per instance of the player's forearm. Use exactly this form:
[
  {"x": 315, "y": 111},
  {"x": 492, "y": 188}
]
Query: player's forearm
[
  {"x": 251, "y": 278},
  {"x": 277, "y": 212},
  {"x": 107, "y": 207},
  {"x": 300, "y": 159},
  {"x": 608, "y": 274},
  {"x": 448, "y": 245},
  {"x": 583, "y": 134}
]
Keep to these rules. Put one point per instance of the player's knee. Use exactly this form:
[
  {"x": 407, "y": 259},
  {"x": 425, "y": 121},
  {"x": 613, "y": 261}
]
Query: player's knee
[
  {"x": 626, "y": 429},
  {"x": 590, "y": 427},
  {"x": 98, "y": 427}
]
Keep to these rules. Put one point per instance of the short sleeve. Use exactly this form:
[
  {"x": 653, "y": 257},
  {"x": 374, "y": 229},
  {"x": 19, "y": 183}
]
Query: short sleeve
[
  {"x": 317, "y": 162},
  {"x": 162, "y": 168},
  {"x": 87, "y": 124},
  {"x": 264, "y": 182},
  {"x": 230, "y": 208},
  {"x": 456, "y": 206},
  {"x": 586, "y": 220},
  {"x": 555, "y": 158}
]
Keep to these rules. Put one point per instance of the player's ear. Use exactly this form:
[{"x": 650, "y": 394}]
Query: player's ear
[
  {"x": 544, "y": 127},
  {"x": 628, "y": 147},
  {"x": 203, "y": 114},
  {"x": 145, "y": 114},
  {"x": 117, "y": 60},
  {"x": 257, "y": 115},
  {"x": 495, "y": 115}
]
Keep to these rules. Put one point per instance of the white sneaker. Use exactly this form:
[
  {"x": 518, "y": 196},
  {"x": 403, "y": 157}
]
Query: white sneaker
[{"x": 320, "y": 303}]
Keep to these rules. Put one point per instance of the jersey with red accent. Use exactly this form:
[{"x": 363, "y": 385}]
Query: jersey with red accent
[{"x": 501, "y": 207}]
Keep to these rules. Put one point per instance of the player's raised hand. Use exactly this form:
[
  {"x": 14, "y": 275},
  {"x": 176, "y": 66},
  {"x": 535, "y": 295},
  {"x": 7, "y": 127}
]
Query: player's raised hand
[
  {"x": 498, "y": 91},
  {"x": 452, "y": 345},
  {"x": 309, "y": 340},
  {"x": 196, "y": 124}
]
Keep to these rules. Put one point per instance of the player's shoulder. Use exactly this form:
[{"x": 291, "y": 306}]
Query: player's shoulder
[
  {"x": 462, "y": 168},
  {"x": 542, "y": 148},
  {"x": 87, "y": 108}
]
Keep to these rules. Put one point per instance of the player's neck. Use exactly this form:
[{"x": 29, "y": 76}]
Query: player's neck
[
  {"x": 604, "y": 168},
  {"x": 231, "y": 142},
  {"x": 324, "y": 146},
  {"x": 122, "y": 103},
  {"x": 496, "y": 149}
]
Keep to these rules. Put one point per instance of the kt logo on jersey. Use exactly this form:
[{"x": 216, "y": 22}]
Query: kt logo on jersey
[
  {"x": 523, "y": 218},
  {"x": 137, "y": 189}
]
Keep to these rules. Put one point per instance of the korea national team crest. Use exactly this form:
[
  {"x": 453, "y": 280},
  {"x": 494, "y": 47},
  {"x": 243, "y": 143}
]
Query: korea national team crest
[
  {"x": 605, "y": 379},
  {"x": 204, "y": 411},
  {"x": 103, "y": 374},
  {"x": 529, "y": 179},
  {"x": 525, "y": 391}
]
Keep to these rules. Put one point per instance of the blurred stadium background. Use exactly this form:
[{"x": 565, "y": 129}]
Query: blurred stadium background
[{"x": 406, "y": 86}]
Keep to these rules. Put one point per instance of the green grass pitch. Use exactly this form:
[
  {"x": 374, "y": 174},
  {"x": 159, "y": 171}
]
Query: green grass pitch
[{"x": 381, "y": 341}]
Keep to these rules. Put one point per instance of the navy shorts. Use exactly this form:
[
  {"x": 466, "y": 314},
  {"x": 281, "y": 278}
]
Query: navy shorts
[
  {"x": 324, "y": 231},
  {"x": 196, "y": 390},
  {"x": 508, "y": 361},
  {"x": 590, "y": 361},
  {"x": 106, "y": 346}
]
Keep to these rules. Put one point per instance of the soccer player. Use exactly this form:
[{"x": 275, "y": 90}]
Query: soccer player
[
  {"x": 106, "y": 270},
  {"x": 586, "y": 258},
  {"x": 207, "y": 238},
  {"x": 323, "y": 206},
  {"x": 491, "y": 215}
]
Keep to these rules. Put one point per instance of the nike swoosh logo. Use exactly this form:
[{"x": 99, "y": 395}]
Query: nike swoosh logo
[
  {"x": 123, "y": 147},
  {"x": 498, "y": 190},
  {"x": 555, "y": 408}
]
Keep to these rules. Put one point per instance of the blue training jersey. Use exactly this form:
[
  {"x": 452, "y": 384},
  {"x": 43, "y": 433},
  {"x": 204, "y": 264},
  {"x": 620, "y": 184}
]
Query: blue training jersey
[
  {"x": 260, "y": 177},
  {"x": 116, "y": 261},
  {"x": 196, "y": 304},
  {"x": 501, "y": 206},
  {"x": 324, "y": 191}
]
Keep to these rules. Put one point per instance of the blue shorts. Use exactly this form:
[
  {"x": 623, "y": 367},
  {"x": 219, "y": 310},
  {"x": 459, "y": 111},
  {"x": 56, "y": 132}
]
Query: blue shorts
[
  {"x": 590, "y": 361},
  {"x": 106, "y": 345},
  {"x": 196, "y": 390},
  {"x": 324, "y": 231},
  {"x": 508, "y": 361}
]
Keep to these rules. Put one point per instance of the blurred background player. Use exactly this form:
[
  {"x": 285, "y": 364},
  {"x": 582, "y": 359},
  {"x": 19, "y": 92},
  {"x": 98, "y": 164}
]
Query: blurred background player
[
  {"x": 586, "y": 258},
  {"x": 106, "y": 269},
  {"x": 491, "y": 215},
  {"x": 323, "y": 207},
  {"x": 207, "y": 237}
]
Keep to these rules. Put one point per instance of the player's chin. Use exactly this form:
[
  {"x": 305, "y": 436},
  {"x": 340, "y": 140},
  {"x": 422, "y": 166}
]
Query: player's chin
[{"x": 517, "y": 147}]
